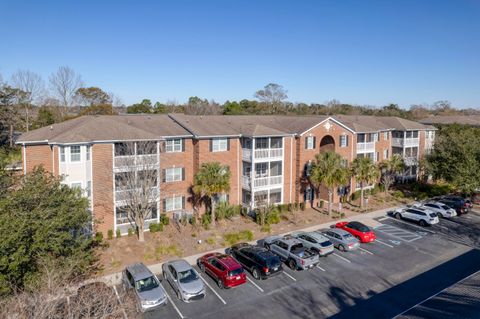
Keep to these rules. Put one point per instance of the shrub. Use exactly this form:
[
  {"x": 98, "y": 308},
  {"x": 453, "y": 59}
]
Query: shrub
[
  {"x": 398, "y": 194},
  {"x": 130, "y": 232},
  {"x": 321, "y": 203},
  {"x": 118, "y": 233},
  {"x": 110, "y": 234},
  {"x": 224, "y": 210},
  {"x": 206, "y": 220},
  {"x": 211, "y": 241},
  {"x": 422, "y": 196},
  {"x": 302, "y": 206},
  {"x": 99, "y": 237},
  {"x": 266, "y": 229},
  {"x": 164, "y": 220},
  {"x": 273, "y": 217},
  {"x": 193, "y": 221},
  {"x": 295, "y": 206},
  {"x": 290, "y": 207},
  {"x": 155, "y": 227},
  {"x": 356, "y": 195},
  {"x": 246, "y": 235},
  {"x": 171, "y": 250},
  {"x": 231, "y": 238},
  {"x": 244, "y": 211}
]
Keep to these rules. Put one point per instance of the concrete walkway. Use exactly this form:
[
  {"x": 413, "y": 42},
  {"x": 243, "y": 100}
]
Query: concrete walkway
[{"x": 367, "y": 219}]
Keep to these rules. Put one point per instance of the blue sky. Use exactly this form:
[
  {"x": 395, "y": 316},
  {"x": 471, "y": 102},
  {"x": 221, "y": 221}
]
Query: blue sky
[{"x": 361, "y": 52}]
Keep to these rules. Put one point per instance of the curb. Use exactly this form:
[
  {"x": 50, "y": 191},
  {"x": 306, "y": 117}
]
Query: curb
[{"x": 115, "y": 279}]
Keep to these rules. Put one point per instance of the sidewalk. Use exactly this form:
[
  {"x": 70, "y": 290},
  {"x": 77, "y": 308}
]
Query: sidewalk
[{"x": 367, "y": 219}]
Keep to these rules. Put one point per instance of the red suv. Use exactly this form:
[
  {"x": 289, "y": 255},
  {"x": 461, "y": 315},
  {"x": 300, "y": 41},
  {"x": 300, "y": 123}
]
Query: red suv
[{"x": 225, "y": 270}]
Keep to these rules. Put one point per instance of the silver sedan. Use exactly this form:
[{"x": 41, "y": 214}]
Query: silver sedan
[
  {"x": 341, "y": 239},
  {"x": 315, "y": 241},
  {"x": 184, "y": 280}
]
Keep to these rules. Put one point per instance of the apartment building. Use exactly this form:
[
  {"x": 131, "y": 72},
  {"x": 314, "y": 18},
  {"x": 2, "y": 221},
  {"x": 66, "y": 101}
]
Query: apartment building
[{"x": 269, "y": 157}]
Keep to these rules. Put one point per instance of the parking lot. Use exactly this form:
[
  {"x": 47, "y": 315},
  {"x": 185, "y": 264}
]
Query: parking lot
[{"x": 406, "y": 265}]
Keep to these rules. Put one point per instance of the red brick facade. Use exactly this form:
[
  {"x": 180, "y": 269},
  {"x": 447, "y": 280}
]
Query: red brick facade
[{"x": 102, "y": 187}]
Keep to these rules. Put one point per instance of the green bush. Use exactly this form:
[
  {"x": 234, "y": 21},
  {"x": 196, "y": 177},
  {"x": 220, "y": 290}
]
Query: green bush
[
  {"x": 224, "y": 210},
  {"x": 193, "y": 221},
  {"x": 130, "y": 232},
  {"x": 110, "y": 234},
  {"x": 398, "y": 194},
  {"x": 206, "y": 221},
  {"x": 155, "y": 227},
  {"x": 266, "y": 229},
  {"x": 356, "y": 195},
  {"x": 234, "y": 238},
  {"x": 118, "y": 233},
  {"x": 246, "y": 235},
  {"x": 273, "y": 217},
  {"x": 422, "y": 196},
  {"x": 290, "y": 207},
  {"x": 164, "y": 220},
  {"x": 302, "y": 206},
  {"x": 99, "y": 237},
  {"x": 244, "y": 211}
]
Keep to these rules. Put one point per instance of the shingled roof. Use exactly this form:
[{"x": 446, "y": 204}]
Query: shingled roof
[{"x": 473, "y": 120}]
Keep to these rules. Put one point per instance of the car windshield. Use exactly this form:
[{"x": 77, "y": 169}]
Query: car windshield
[
  {"x": 363, "y": 228},
  {"x": 445, "y": 207},
  {"x": 187, "y": 276},
  {"x": 347, "y": 236},
  {"x": 146, "y": 284},
  {"x": 273, "y": 261},
  {"x": 235, "y": 272},
  {"x": 433, "y": 215},
  {"x": 326, "y": 243}
]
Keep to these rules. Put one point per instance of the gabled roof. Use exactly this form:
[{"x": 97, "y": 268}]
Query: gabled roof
[
  {"x": 93, "y": 128},
  {"x": 473, "y": 120}
]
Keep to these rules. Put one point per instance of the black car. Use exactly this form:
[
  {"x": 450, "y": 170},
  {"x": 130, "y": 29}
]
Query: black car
[
  {"x": 459, "y": 204},
  {"x": 261, "y": 262}
]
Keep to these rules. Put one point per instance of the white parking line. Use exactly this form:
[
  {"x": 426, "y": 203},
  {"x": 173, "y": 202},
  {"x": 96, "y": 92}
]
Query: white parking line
[
  {"x": 320, "y": 268},
  {"x": 368, "y": 252},
  {"x": 413, "y": 225},
  {"x": 348, "y": 261},
  {"x": 120, "y": 302},
  {"x": 251, "y": 281},
  {"x": 381, "y": 242},
  {"x": 433, "y": 296},
  {"x": 382, "y": 219},
  {"x": 174, "y": 305},
  {"x": 216, "y": 293},
  {"x": 291, "y": 277}
]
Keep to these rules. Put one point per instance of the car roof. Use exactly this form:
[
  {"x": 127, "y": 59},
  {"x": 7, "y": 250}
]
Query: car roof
[
  {"x": 180, "y": 265},
  {"x": 139, "y": 271},
  {"x": 339, "y": 231},
  {"x": 316, "y": 235},
  {"x": 228, "y": 261},
  {"x": 290, "y": 240},
  {"x": 356, "y": 223}
]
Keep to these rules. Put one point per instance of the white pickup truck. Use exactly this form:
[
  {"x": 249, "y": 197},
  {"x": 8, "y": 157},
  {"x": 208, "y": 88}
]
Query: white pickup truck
[{"x": 292, "y": 252}]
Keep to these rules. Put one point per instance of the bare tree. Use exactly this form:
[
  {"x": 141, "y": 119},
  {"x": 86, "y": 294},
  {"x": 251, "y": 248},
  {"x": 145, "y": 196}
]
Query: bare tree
[
  {"x": 63, "y": 84},
  {"x": 272, "y": 94},
  {"x": 197, "y": 106},
  {"x": 33, "y": 85},
  {"x": 136, "y": 183}
]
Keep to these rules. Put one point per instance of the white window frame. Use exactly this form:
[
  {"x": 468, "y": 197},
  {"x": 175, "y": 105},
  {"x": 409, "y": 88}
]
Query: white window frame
[
  {"x": 375, "y": 137},
  {"x": 63, "y": 155},
  {"x": 219, "y": 144},
  {"x": 385, "y": 154},
  {"x": 310, "y": 142},
  {"x": 76, "y": 185},
  {"x": 173, "y": 203},
  {"x": 173, "y": 174},
  {"x": 88, "y": 189},
  {"x": 79, "y": 154},
  {"x": 173, "y": 145},
  {"x": 385, "y": 136},
  {"x": 343, "y": 140},
  {"x": 88, "y": 152}
]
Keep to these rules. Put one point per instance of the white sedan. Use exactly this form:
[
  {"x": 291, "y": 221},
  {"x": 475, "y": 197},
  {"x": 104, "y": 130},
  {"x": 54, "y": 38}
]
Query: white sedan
[{"x": 441, "y": 209}]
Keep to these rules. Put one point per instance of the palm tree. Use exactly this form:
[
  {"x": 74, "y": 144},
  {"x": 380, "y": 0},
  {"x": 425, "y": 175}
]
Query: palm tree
[
  {"x": 365, "y": 172},
  {"x": 328, "y": 170},
  {"x": 389, "y": 169},
  {"x": 211, "y": 180}
]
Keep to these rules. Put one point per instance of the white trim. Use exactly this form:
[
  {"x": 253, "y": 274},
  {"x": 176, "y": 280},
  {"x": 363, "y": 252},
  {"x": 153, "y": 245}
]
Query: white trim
[
  {"x": 238, "y": 171},
  {"x": 333, "y": 120},
  {"x": 91, "y": 185},
  {"x": 291, "y": 164},
  {"x": 114, "y": 191},
  {"x": 24, "y": 159}
]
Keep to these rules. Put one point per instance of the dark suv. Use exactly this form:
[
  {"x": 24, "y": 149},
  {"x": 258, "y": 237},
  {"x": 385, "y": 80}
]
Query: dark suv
[
  {"x": 261, "y": 262},
  {"x": 457, "y": 203}
]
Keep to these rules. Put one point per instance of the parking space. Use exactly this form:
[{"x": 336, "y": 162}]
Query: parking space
[{"x": 401, "y": 247}]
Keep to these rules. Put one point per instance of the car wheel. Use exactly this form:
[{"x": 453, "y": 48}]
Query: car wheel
[
  {"x": 398, "y": 216},
  {"x": 423, "y": 223},
  {"x": 220, "y": 284},
  {"x": 255, "y": 273},
  {"x": 292, "y": 264},
  {"x": 341, "y": 248},
  {"x": 440, "y": 215}
]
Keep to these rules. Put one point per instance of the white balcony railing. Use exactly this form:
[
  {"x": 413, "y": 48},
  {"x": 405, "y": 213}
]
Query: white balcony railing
[
  {"x": 246, "y": 182},
  {"x": 269, "y": 153},
  {"x": 405, "y": 142},
  {"x": 267, "y": 181},
  {"x": 365, "y": 147},
  {"x": 246, "y": 154},
  {"x": 133, "y": 161},
  {"x": 133, "y": 195}
]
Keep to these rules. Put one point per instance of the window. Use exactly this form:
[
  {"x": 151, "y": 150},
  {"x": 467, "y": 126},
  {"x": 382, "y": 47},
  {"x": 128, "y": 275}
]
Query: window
[
  {"x": 175, "y": 145},
  {"x": 385, "y": 136},
  {"x": 408, "y": 134},
  {"x": 173, "y": 203},
  {"x": 343, "y": 140},
  {"x": 246, "y": 143},
  {"x": 261, "y": 170},
  {"x": 88, "y": 152},
  {"x": 310, "y": 142},
  {"x": 223, "y": 198},
  {"x": 261, "y": 198},
  {"x": 275, "y": 196},
  {"x": 361, "y": 138},
  {"x": 173, "y": 174},
  {"x": 374, "y": 137},
  {"x": 219, "y": 145},
  {"x": 261, "y": 143},
  {"x": 385, "y": 154},
  {"x": 75, "y": 153},
  {"x": 276, "y": 142},
  {"x": 122, "y": 215},
  {"x": 415, "y": 134},
  {"x": 76, "y": 185},
  {"x": 62, "y": 154},
  {"x": 89, "y": 189},
  {"x": 276, "y": 168},
  {"x": 146, "y": 148},
  {"x": 124, "y": 149}
]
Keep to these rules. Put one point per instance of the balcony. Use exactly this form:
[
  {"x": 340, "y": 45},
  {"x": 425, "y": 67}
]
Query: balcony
[
  {"x": 247, "y": 154},
  {"x": 267, "y": 181},
  {"x": 366, "y": 147},
  {"x": 410, "y": 160},
  {"x": 246, "y": 183},
  {"x": 135, "y": 161},
  {"x": 135, "y": 195},
  {"x": 405, "y": 142}
]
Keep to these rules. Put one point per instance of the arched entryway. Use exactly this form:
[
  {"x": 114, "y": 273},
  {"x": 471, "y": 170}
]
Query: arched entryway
[{"x": 327, "y": 144}]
